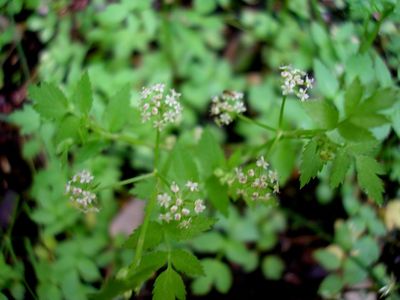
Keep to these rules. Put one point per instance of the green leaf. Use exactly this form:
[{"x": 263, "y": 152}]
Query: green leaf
[
  {"x": 327, "y": 259},
  {"x": 186, "y": 262},
  {"x": 88, "y": 270},
  {"x": 382, "y": 72},
  {"x": 324, "y": 113},
  {"x": 69, "y": 128},
  {"x": 238, "y": 253},
  {"x": 311, "y": 163},
  {"x": 82, "y": 96},
  {"x": 26, "y": 118},
  {"x": 168, "y": 286},
  {"x": 217, "y": 273},
  {"x": 326, "y": 80},
  {"x": 49, "y": 101},
  {"x": 149, "y": 264},
  {"x": 205, "y": 6},
  {"x": 340, "y": 166},
  {"x": 181, "y": 164},
  {"x": 368, "y": 170},
  {"x": 352, "y": 272},
  {"x": 209, "y": 154},
  {"x": 118, "y": 110},
  {"x": 198, "y": 225},
  {"x": 154, "y": 236},
  {"x": 369, "y": 120},
  {"x": 353, "y": 96},
  {"x": 217, "y": 194},
  {"x": 380, "y": 100},
  {"x": 343, "y": 235},
  {"x": 367, "y": 250},
  {"x": 210, "y": 242},
  {"x": 352, "y": 132},
  {"x": 272, "y": 267},
  {"x": 331, "y": 286},
  {"x": 144, "y": 189}
]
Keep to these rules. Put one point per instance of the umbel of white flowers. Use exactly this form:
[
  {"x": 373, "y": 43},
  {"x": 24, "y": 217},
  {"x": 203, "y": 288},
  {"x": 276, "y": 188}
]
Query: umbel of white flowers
[
  {"x": 177, "y": 204},
  {"x": 256, "y": 183},
  {"x": 296, "y": 82},
  {"x": 79, "y": 189},
  {"x": 159, "y": 106},
  {"x": 225, "y": 107}
]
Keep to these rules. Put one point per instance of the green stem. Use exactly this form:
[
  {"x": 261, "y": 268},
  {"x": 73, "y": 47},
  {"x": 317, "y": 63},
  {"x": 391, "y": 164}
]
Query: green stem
[
  {"x": 301, "y": 133},
  {"x": 255, "y": 122},
  {"x": 126, "y": 181},
  {"x": 281, "y": 112},
  {"x": 149, "y": 209}
]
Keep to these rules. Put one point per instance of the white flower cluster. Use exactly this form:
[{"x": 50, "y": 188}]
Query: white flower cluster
[
  {"x": 177, "y": 205},
  {"x": 296, "y": 82},
  {"x": 256, "y": 183},
  {"x": 159, "y": 106},
  {"x": 79, "y": 189},
  {"x": 225, "y": 107}
]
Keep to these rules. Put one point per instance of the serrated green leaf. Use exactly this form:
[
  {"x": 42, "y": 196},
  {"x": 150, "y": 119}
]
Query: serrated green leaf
[
  {"x": 352, "y": 132},
  {"x": 26, "y": 118},
  {"x": 369, "y": 120},
  {"x": 118, "y": 110},
  {"x": 272, "y": 267},
  {"x": 169, "y": 286},
  {"x": 327, "y": 81},
  {"x": 144, "y": 189},
  {"x": 324, "y": 113},
  {"x": 353, "y": 96},
  {"x": 186, "y": 262},
  {"x": 327, "y": 259},
  {"x": 82, "y": 96},
  {"x": 154, "y": 235},
  {"x": 217, "y": 194},
  {"x": 367, "y": 174},
  {"x": 331, "y": 286},
  {"x": 380, "y": 100},
  {"x": 149, "y": 264},
  {"x": 198, "y": 225},
  {"x": 340, "y": 166},
  {"x": 209, "y": 154},
  {"x": 311, "y": 163},
  {"x": 49, "y": 101}
]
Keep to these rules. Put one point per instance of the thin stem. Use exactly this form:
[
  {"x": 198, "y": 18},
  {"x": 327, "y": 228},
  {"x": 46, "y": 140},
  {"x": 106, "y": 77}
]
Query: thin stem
[
  {"x": 301, "y": 133},
  {"x": 255, "y": 122},
  {"x": 21, "y": 53},
  {"x": 126, "y": 181},
  {"x": 281, "y": 112},
  {"x": 149, "y": 208}
]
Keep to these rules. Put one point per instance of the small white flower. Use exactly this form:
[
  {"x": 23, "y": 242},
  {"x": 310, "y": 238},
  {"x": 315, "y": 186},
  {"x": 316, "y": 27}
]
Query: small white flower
[
  {"x": 226, "y": 106},
  {"x": 177, "y": 216},
  {"x": 185, "y": 223},
  {"x": 185, "y": 211},
  {"x": 199, "y": 206},
  {"x": 261, "y": 163},
  {"x": 79, "y": 189},
  {"x": 174, "y": 187},
  {"x": 164, "y": 200},
  {"x": 296, "y": 82},
  {"x": 174, "y": 209},
  {"x": 192, "y": 186}
]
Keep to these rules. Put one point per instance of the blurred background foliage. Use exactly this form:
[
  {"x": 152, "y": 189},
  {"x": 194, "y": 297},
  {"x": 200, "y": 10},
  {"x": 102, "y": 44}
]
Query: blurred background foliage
[{"x": 319, "y": 242}]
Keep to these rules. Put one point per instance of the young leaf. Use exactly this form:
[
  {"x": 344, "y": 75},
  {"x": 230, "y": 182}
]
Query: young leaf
[
  {"x": 311, "y": 163},
  {"x": 340, "y": 166},
  {"x": 272, "y": 267},
  {"x": 217, "y": 194},
  {"x": 49, "y": 101},
  {"x": 186, "y": 262},
  {"x": 82, "y": 96},
  {"x": 118, "y": 110},
  {"x": 327, "y": 82},
  {"x": 153, "y": 238},
  {"x": 168, "y": 286},
  {"x": 324, "y": 113},
  {"x": 353, "y": 96},
  {"x": 26, "y": 118},
  {"x": 367, "y": 174}
]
